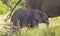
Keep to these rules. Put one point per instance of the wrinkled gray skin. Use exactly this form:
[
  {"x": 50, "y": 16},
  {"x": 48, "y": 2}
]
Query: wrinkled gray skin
[
  {"x": 51, "y": 7},
  {"x": 28, "y": 18}
]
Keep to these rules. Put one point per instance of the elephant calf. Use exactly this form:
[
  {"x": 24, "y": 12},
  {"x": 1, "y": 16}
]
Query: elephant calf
[{"x": 28, "y": 18}]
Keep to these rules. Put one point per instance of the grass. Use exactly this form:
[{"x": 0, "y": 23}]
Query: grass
[{"x": 53, "y": 30}]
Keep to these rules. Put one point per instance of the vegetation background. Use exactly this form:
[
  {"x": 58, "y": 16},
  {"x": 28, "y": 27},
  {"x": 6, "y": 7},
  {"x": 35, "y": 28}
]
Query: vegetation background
[{"x": 7, "y": 5}]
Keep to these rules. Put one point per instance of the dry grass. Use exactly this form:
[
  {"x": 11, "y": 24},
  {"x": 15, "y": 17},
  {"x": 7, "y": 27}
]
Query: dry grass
[{"x": 53, "y": 30}]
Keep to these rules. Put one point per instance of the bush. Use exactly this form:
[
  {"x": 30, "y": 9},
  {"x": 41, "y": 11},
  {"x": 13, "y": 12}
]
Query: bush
[{"x": 3, "y": 8}]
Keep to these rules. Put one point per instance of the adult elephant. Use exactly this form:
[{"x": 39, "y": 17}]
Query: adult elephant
[{"x": 51, "y": 7}]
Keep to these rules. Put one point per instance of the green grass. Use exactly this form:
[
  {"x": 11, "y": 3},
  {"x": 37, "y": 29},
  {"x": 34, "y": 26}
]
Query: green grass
[{"x": 53, "y": 30}]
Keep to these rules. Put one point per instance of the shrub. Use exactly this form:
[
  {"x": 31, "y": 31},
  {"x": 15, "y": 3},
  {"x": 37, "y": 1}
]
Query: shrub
[{"x": 3, "y": 8}]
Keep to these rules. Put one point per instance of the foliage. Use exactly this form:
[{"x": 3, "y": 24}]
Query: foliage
[
  {"x": 53, "y": 30},
  {"x": 3, "y": 8},
  {"x": 7, "y": 5}
]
